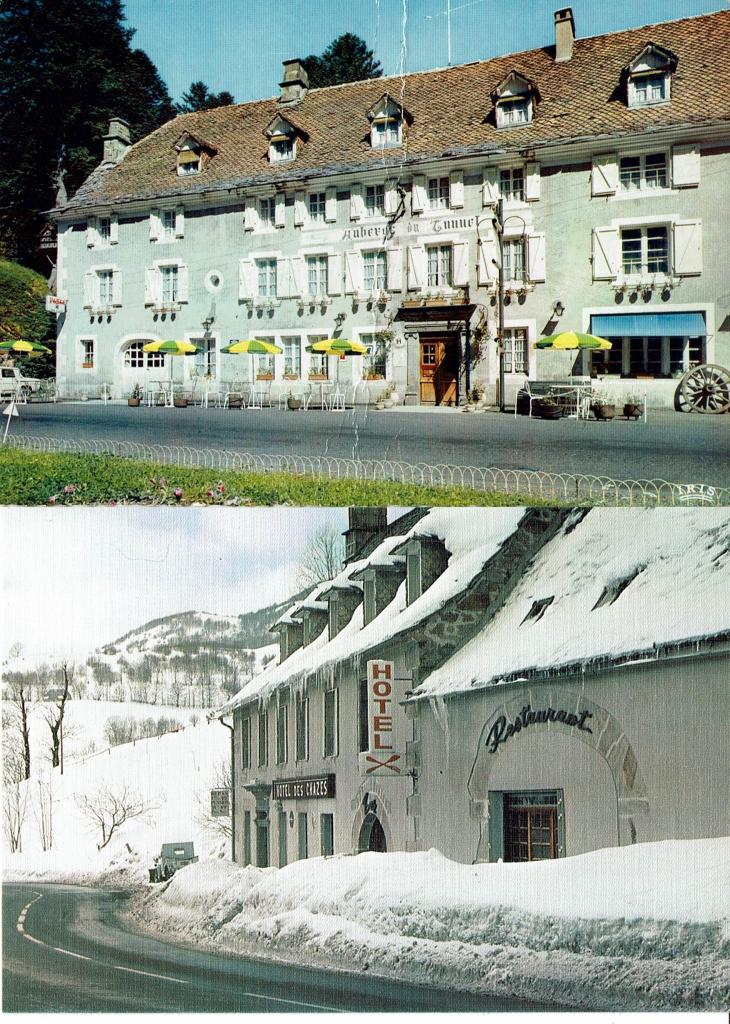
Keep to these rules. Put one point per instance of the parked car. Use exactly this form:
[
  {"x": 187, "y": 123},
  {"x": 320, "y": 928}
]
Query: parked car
[
  {"x": 13, "y": 382},
  {"x": 172, "y": 856}
]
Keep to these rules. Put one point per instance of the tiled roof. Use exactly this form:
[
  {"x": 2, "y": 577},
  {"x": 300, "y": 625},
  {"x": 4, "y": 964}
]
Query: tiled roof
[{"x": 451, "y": 110}]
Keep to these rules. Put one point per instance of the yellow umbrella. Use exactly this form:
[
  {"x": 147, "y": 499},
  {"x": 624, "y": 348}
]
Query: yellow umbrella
[
  {"x": 338, "y": 347},
  {"x": 573, "y": 340},
  {"x": 252, "y": 346},
  {"x": 31, "y": 348},
  {"x": 171, "y": 348}
]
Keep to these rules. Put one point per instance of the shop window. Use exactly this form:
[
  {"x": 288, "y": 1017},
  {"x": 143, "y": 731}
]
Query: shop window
[
  {"x": 263, "y": 735},
  {"x": 246, "y": 743},
  {"x": 327, "y": 834},
  {"x": 614, "y": 590},
  {"x": 608, "y": 361},
  {"x": 303, "y": 837},
  {"x": 302, "y": 728},
  {"x": 282, "y": 838},
  {"x": 538, "y": 609},
  {"x": 331, "y": 722},
  {"x": 531, "y": 825}
]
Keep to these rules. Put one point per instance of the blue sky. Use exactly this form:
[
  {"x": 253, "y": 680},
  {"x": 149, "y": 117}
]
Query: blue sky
[{"x": 239, "y": 44}]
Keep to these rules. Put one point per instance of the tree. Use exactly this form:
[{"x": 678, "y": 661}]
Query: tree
[
  {"x": 23, "y": 314},
  {"x": 14, "y": 786},
  {"x": 107, "y": 810},
  {"x": 56, "y": 710},
  {"x": 18, "y": 694},
  {"x": 322, "y": 557},
  {"x": 199, "y": 97},
  {"x": 65, "y": 68},
  {"x": 346, "y": 59}
]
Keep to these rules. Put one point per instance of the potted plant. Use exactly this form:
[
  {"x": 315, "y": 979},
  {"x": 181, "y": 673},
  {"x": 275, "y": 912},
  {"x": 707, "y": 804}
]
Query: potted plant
[
  {"x": 549, "y": 408},
  {"x": 633, "y": 407},
  {"x": 135, "y": 396},
  {"x": 180, "y": 402},
  {"x": 293, "y": 403},
  {"x": 603, "y": 408}
]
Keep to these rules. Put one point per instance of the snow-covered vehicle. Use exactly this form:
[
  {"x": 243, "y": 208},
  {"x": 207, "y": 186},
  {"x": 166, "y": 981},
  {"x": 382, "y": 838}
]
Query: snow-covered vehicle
[
  {"x": 172, "y": 856},
  {"x": 14, "y": 383}
]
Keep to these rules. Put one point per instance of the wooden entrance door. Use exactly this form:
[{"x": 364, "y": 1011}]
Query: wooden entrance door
[{"x": 439, "y": 369}]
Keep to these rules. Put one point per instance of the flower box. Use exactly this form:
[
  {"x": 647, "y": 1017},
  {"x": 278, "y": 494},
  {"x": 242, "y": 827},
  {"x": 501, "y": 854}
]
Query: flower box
[
  {"x": 373, "y": 376},
  {"x": 318, "y": 376},
  {"x": 87, "y": 366},
  {"x": 290, "y": 376},
  {"x": 264, "y": 376}
]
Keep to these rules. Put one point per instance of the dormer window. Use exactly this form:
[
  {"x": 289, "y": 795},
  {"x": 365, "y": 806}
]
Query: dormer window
[
  {"x": 514, "y": 101},
  {"x": 386, "y": 123},
  {"x": 283, "y": 137},
  {"x": 649, "y": 76},
  {"x": 191, "y": 152}
]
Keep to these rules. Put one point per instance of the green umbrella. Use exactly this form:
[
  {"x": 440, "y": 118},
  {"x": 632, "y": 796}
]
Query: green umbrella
[
  {"x": 27, "y": 348},
  {"x": 171, "y": 348},
  {"x": 573, "y": 340},
  {"x": 252, "y": 346}
]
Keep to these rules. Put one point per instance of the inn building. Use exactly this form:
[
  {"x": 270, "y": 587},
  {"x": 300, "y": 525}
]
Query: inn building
[
  {"x": 514, "y": 684},
  {"x": 594, "y": 171}
]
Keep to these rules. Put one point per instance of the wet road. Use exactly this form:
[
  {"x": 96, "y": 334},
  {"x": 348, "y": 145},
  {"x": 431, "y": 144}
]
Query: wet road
[{"x": 64, "y": 949}]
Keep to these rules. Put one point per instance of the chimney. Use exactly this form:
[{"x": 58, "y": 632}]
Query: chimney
[
  {"x": 365, "y": 525},
  {"x": 295, "y": 84},
  {"x": 564, "y": 35},
  {"x": 116, "y": 141}
]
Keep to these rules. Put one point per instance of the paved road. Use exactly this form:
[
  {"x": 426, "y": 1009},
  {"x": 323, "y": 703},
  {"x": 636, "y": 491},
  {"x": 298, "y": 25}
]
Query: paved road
[
  {"x": 73, "y": 955},
  {"x": 681, "y": 448}
]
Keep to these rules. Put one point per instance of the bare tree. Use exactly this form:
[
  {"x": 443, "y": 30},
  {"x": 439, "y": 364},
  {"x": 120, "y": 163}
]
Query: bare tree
[
  {"x": 14, "y": 788},
  {"x": 322, "y": 557},
  {"x": 220, "y": 825},
  {"x": 56, "y": 710},
  {"x": 107, "y": 810},
  {"x": 18, "y": 694},
  {"x": 44, "y": 812}
]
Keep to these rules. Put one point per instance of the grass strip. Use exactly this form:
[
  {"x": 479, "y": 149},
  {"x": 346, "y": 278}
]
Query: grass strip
[{"x": 59, "y": 478}]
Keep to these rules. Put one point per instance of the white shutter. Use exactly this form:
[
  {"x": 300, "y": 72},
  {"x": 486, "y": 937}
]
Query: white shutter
[
  {"x": 182, "y": 282},
  {"x": 179, "y": 222},
  {"x": 391, "y": 201},
  {"x": 536, "y": 256},
  {"x": 155, "y": 226},
  {"x": 606, "y": 253},
  {"x": 298, "y": 275},
  {"x": 416, "y": 267},
  {"x": 456, "y": 189},
  {"x": 394, "y": 280},
  {"x": 688, "y": 247},
  {"x": 604, "y": 175},
  {"x": 90, "y": 290},
  {"x": 490, "y": 186},
  {"x": 418, "y": 194},
  {"x": 685, "y": 166},
  {"x": 532, "y": 182},
  {"x": 282, "y": 277},
  {"x": 353, "y": 273},
  {"x": 334, "y": 274},
  {"x": 460, "y": 275},
  {"x": 151, "y": 286},
  {"x": 357, "y": 207},
  {"x": 251, "y": 215},
  {"x": 330, "y": 205},
  {"x": 246, "y": 279},
  {"x": 487, "y": 271},
  {"x": 280, "y": 210},
  {"x": 116, "y": 287},
  {"x": 300, "y": 209},
  {"x": 113, "y": 229},
  {"x": 91, "y": 233}
]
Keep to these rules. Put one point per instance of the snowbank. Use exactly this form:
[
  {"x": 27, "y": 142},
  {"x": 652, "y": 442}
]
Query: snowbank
[{"x": 617, "y": 929}]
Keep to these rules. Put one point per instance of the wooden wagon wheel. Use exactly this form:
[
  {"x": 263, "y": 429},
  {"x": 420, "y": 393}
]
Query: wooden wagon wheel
[{"x": 705, "y": 388}]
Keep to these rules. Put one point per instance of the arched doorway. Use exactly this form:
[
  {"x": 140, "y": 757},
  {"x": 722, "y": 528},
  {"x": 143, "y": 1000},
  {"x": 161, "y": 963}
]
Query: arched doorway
[{"x": 372, "y": 837}]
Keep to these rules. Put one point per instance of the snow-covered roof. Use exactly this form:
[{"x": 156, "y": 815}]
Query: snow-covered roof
[
  {"x": 622, "y": 582},
  {"x": 471, "y": 536}
]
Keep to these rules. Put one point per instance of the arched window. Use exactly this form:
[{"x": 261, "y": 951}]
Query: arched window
[{"x": 135, "y": 358}]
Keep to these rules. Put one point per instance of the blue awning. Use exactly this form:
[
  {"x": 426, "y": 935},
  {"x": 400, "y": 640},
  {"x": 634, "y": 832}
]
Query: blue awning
[{"x": 673, "y": 325}]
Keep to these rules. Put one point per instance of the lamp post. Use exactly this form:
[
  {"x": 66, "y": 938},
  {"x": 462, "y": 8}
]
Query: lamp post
[{"x": 498, "y": 222}]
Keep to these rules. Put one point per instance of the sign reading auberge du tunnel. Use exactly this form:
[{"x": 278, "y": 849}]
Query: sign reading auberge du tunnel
[{"x": 386, "y": 753}]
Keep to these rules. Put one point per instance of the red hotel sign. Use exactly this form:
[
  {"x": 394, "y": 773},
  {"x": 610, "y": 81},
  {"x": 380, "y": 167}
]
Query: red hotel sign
[{"x": 386, "y": 722}]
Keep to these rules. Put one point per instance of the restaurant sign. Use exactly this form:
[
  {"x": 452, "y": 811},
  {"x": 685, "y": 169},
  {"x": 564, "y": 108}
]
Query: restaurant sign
[
  {"x": 55, "y": 304},
  {"x": 502, "y": 729},
  {"x": 385, "y": 755},
  {"x": 312, "y": 787},
  {"x": 220, "y": 803}
]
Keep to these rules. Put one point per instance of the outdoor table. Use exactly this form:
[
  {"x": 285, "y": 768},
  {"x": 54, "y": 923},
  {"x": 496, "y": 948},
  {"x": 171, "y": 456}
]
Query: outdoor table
[{"x": 324, "y": 384}]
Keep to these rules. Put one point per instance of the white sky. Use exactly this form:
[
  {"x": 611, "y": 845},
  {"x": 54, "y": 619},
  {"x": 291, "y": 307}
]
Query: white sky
[{"x": 75, "y": 578}]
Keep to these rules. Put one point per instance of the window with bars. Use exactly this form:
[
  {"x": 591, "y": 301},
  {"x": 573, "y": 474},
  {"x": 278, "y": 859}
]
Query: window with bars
[
  {"x": 263, "y": 738},
  {"x": 645, "y": 250},
  {"x": 302, "y": 728},
  {"x": 513, "y": 256},
  {"x": 292, "y": 356},
  {"x": 438, "y": 193},
  {"x": 169, "y": 276},
  {"x": 531, "y": 825},
  {"x": 267, "y": 208},
  {"x": 266, "y": 276},
  {"x": 512, "y": 184},
  {"x": 331, "y": 722},
  {"x": 438, "y": 266},
  {"x": 317, "y": 281},
  {"x": 643, "y": 172},
  {"x": 375, "y": 271},
  {"x": 374, "y": 200},
  {"x": 514, "y": 342},
  {"x": 246, "y": 743},
  {"x": 317, "y": 206},
  {"x": 282, "y": 733}
]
